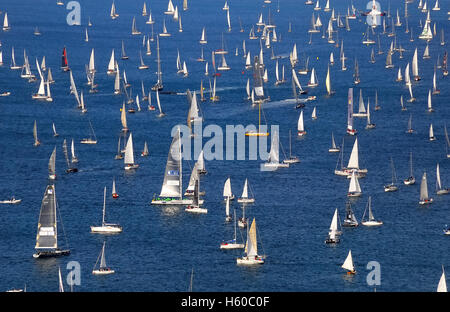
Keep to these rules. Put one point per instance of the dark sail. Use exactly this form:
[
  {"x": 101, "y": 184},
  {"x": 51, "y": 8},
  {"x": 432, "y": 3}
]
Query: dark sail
[{"x": 47, "y": 237}]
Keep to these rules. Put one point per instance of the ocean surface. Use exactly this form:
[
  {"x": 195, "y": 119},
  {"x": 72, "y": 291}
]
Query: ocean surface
[{"x": 161, "y": 245}]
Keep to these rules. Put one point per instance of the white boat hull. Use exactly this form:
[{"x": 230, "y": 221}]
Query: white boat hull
[
  {"x": 371, "y": 223},
  {"x": 196, "y": 209},
  {"x": 106, "y": 229},
  {"x": 174, "y": 201},
  {"x": 250, "y": 261},
  {"x": 426, "y": 201},
  {"x": 103, "y": 272},
  {"x": 246, "y": 200},
  {"x": 231, "y": 246},
  {"x": 10, "y": 201}
]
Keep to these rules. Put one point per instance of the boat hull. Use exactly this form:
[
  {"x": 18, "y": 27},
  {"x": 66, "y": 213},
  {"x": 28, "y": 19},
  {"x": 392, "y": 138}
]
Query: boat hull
[
  {"x": 250, "y": 261},
  {"x": 103, "y": 272},
  {"x": 231, "y": 246},
  {"x": 246, "y": 200},
  {"x": 106, "y": 229},
  {"x": 173, "y": 201},
  {"x": 49, "y": 254},
  {"x": 371, "y": 223},
  {"x": 196, "y": 209}
]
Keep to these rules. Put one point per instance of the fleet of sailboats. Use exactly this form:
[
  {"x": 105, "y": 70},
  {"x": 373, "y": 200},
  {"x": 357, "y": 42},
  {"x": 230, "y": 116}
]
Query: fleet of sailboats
[{"x": 171, "y": 191}]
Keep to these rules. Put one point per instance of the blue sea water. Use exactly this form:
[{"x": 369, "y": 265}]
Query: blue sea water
[{"x": 161, "y": 245}]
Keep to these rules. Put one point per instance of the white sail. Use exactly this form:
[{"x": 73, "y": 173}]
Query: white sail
[
  {"x": 354, "y": 186},
  {"x": 129, "y": 152},
  {"x": 300, "y": 125},
  {"x": 334, "y": 225},
  {"x": 328, "y": 82},
  {"x": 424, "y": 188},
  {"x": 172, "y": 175},
  {"x": 227, "y": 188},
  {"x": 415, "y": 66},
  {"x": 245, "y": 190},
  {"x": 274, "y": 156},
  {"x": 442, "y": 286},
  {"x": 111, "y": 64},
  {"x": 92, "y": 62},
  {"x": 348, "y": 263},
  {"x": 353, "y": 162}
]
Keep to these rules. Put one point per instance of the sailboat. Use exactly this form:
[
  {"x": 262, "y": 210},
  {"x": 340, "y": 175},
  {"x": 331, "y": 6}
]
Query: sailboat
[
  {"x": 424, "y": 198},
  {"x": 70, "y": 168},
  {"x": 113, "y": 13},
  {"x": 292, "y": 159},
  {"x": 106, "y": 228},
  {"x": 371, "y": 221},
  {"x": 415, "y": 67},
  {"x": 369, "y": 125},
  {"x": 103, "y": 269},
  {"x": 435, "y": 89},
  {"x": 244, "y": 197},
  {"x": 6, "y": 25},
  {"x": 232, "y": 244},
  {"x": 439, "y": 189},
  {"x": 328, "y": 83},
  {"x": 159, "y": 85},
  {"x": 442, "y": 286},
  {"x": 36, "y": 140},
  {"x": 429, "y": 104},
  {"x": 348, "y": 264},
  {"x": 129, "y": 155},
  {"x": 171, "y": 190},
  {"x": 203, "y": 39},
  {"x": 350, "y": 219},
  {"x": 257, "y": 98},
  {"x": 64, "y": 63},
  {"x": 392, "y": 187},
  {"x": 251, "y": 248},
  {"x": 361, "y": 109},
  {"x": 47, "y": 233},
  {"x": 333, "y": 234},
  {"x": 431, "y": 134},
  {"x": 90, "y": 140},
  {"x": 350, "y": 129},
  {"x": 410, "y": 129},
  {"x": 227, "y": 193},
  {"x": 142, "y": 65},
  {"x": 333, "y": 148},
  {"x": 273, "y": 162},
  {"x": 40, "y": 95},
  {"x": 134, "y": 30},
  {"x": 145, "y": 151},
  {"x": 14, "y": 66},
  {"x": 300, "y": 125},
  {"x": 194, "y": 207},
  {"x": 164, "y": 33},
  {"x": 410, "y": 180},
  {"x": 426, "y": 53},
  {"x": 353, "y": 163},
  {"x": 111, "y": 65},
  {"x": 52, "y": 166},
  {"x": 313, "y": 80},
  {"x": 354, "y": 189},
  {"x": 114, "y": 192}
]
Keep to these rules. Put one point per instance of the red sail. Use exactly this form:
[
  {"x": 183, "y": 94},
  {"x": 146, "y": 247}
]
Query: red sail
[{"x": 64, "y": 58}]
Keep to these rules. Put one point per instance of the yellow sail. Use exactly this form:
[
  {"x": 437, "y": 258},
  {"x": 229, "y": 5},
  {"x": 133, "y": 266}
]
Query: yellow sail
[{"x": 251, "y": 239}]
